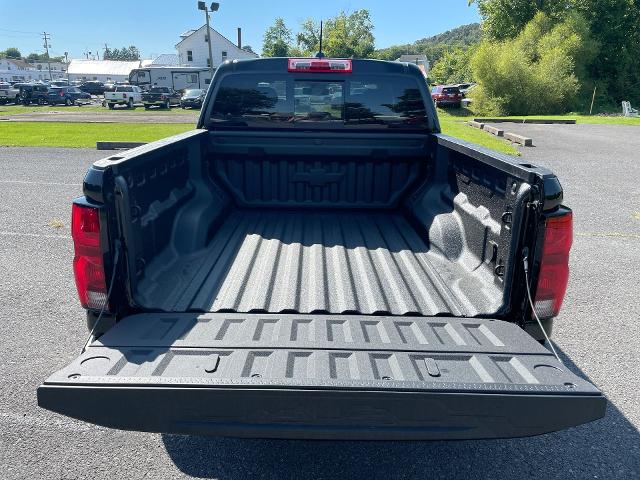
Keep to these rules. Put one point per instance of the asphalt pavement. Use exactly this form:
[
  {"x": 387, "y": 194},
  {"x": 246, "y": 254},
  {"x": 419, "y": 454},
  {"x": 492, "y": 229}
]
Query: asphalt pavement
[{"x": 42, "y": 328}]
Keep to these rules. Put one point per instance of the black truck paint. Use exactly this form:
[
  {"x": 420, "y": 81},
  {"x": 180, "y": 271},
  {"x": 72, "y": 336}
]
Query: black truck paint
[{"x": 320, "y": 263}]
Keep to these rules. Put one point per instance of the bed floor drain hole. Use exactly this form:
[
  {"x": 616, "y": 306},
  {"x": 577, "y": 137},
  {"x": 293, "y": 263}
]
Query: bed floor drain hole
[{"x": 74, "y": 375}]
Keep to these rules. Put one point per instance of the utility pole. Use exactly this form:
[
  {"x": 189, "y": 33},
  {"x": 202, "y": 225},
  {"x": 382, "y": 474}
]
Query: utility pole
[
  {"x": 66, "y": 57},
  {"x": 214, "y": 8},
  {"x": 106, "y": 49},
  {"x": 46, "y": 37}
]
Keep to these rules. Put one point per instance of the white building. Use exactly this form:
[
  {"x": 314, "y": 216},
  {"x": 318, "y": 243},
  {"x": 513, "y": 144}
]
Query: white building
[
  {"x": 193, "y": 49},
  {"x": 420, "y": 60},
  {"x": 18, "y": 70},
  {"x": 58, "y": 70},
  {"x": 101, "y": 70},
  {"x": 162, "y": 60}
]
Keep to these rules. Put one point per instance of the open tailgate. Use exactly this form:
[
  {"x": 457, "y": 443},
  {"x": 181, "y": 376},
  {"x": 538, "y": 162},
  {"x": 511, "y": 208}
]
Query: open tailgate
[{"x": 321, "y": 377}]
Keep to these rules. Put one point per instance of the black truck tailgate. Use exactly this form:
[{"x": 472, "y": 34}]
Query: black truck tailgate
[{"x": 321, "y": 377}]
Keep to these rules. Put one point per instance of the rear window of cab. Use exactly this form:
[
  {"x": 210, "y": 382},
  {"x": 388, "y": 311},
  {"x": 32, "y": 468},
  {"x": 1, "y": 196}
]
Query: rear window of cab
[{"x": 349, "y": 102}]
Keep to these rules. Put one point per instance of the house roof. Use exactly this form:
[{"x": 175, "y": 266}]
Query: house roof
[
  {"x": 231, "y": 44},
  {"x": 102, "y": 67},
  {"x": 162, "y": 60},
  {"x": 412, "y": 58},
  {"x": 18, "y": 62}
]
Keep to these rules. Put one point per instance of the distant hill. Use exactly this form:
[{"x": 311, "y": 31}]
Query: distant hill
[
  {"x": 464, "y": 35},
  {"x": 434, "y": 47}
]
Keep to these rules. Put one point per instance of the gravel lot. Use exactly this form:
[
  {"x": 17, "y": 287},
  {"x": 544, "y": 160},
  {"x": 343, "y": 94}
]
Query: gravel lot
[{"x": 42, "y": 328}]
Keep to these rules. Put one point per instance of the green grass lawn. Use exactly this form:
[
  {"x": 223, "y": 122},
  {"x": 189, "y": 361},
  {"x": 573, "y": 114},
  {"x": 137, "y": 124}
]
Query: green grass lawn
[
  {"x": 457, "y": 127},
  {"x": 82, "y": 135},
  {"x": 18, "y": 109}
]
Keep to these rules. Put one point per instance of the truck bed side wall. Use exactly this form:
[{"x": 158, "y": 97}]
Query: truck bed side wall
[{"x": 178, "y": 196}]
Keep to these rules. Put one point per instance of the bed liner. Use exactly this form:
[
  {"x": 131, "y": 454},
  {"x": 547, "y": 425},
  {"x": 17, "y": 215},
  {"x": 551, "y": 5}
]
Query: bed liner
[{"x": 319, "y": 262}]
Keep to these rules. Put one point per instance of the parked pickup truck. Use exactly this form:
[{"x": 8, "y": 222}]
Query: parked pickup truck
[
  {"x": 335, "y": 269},
  {"x": 129, "y": 95},
  {"x": 162, "y": 97},
  {"x": 9, "y": 94}
]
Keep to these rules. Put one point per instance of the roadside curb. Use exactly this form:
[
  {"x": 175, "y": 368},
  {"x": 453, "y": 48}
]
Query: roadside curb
[
  {"x": 524, "y": 141},
  {"x": 541, "y": 121}
]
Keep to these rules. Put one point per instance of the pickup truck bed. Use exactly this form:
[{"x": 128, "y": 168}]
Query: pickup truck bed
[
  {"x": 358, "y": 262},
  {"x": 313, "y": 276}
]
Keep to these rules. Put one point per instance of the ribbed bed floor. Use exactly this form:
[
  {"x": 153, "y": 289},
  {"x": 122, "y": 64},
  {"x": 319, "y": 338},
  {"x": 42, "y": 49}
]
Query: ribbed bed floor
[{"x": 310, "y": 262}]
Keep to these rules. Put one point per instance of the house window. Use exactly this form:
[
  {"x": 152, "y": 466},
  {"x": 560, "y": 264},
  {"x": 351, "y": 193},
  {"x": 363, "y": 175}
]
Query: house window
[
  {"x": 206, "y": 38},
  {"x": 189, "y": 56},
  {"x": 224, "y": 56}
]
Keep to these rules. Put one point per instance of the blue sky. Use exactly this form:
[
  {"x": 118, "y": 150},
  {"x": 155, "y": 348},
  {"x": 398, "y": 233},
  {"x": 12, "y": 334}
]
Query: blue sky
[{"x": 154, "y": 26}]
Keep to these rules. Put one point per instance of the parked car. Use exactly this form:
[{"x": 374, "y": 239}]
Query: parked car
[
  {"x": 446, "y": 96},
  {"x": 162, "y": 97},
  {"x": 93, "y": 87},
  {"x": 193, "y": 98},
  {"x": 340, "y": 271},
  {"x": 67, "y": 96},
  {"x": 129, "y": 95},
  {"x": 9, "y": 94},
  {"x": 37, "y": 93},
  {"x": 60, "y": 83}
]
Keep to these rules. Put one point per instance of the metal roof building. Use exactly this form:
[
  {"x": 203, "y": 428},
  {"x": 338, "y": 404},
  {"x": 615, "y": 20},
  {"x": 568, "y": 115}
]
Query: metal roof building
[{"x": 101, "y": 70}]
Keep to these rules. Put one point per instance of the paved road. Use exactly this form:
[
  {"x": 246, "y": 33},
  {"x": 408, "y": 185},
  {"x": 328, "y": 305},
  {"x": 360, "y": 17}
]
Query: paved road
[
  {"x": 125, "y": 116},
  {"x": 41, "y": 329}
]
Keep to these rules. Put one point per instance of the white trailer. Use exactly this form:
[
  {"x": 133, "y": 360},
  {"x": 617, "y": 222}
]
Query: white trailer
[{"x": 176, "y": 78}]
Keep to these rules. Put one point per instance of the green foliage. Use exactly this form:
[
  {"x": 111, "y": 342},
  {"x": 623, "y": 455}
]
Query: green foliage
[
  {"x": 277, "y": 40},
  {"x": 344, "y": 36},
  {"x": 124, "y": 54},
  {"x": 613, "y": 24},
  {"x": 248, "y": 48},
  {"x": 11, "y": 52},
  {"x": 434, "y": 47},
  {"x": 536, "y": 72},
  {"x": 454, "y": 66},
  {"x": 43, "y": 57}
]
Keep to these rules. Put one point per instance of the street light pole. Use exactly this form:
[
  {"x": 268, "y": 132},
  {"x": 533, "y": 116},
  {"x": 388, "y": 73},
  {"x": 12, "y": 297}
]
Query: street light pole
[{"x": 214, "y": 8}]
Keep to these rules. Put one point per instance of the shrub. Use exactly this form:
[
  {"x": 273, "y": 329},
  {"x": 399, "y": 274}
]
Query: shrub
[{"x": 535, "y": 73}]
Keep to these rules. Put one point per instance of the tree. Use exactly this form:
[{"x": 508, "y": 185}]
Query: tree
[
  {"x": 538, "y": 72},
  {"x": 454, "y": 66},
  {"x": 308, "y": 39},
  {"x": 11, "y": 52},
  {"x": 344, "y": 36},
  {"x": 277, "y": 40},
  {"x": 125, "y": 54},
  {"x": 248, "y": 48},
  {"x": 43, "y": 57},
  {"x": 613, "y": 24}
]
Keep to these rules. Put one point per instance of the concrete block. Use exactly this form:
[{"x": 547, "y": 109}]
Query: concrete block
[{"x": 524, "y": 141}]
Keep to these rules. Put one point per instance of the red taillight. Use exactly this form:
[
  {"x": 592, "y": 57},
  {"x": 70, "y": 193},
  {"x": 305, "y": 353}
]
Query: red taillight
[
  {"x": 163, "y": 97},
  {"x": 124, "y": 95},
  {"x": 61, "y": 93},
  {"x": 320, "y": 65},
  {"x": 88, "y": 265},
  {"x": 554, "y": 269}
]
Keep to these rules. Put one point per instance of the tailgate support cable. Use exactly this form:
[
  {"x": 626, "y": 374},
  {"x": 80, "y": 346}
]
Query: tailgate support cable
[
  {"x": 106, "y": 302},
  {"x": 533, "y": 307}
]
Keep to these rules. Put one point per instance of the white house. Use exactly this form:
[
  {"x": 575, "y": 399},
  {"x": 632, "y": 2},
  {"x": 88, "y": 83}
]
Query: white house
[
  {"x": 193, "y": 49},
  {"x": 58, "y": 69},
  {"x": 162, "y": 60},
  {"x": 101, "y": 70},
  {"x": 420, "y": 60}
]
